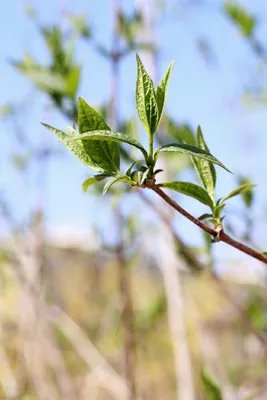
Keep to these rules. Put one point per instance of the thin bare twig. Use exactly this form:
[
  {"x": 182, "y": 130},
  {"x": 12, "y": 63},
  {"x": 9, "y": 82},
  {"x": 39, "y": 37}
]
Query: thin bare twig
[
  {"x": 201, "y": 267},
  {"x": 220, "y": 236}
]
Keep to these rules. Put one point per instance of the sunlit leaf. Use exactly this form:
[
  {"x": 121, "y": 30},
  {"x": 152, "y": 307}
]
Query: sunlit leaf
[
  {"x": 75, "y": 148},
  {"x": 181, "y": 132},
  {"x": 240, "y": 190},
  {"x": 110, "y": 136},
  {"x": 189, "y": 189},
  {"x": 217, "y": 210},
  {"x": 111, "y": 182},
  {"x": 161, "y": 91},
  {"x": 91, "y": 180},
  {"x": 205, "y": 168},
  {"x": 146, "y": 102},
  {"x": 191, "y": 151},
  {"x": 205, "y": 216},
  {"x": 104, "y": 154}
]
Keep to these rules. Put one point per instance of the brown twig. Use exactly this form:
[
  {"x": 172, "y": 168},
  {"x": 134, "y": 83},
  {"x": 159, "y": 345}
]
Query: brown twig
[
  {"x": 219, "y": 236},
  {"x": 201, "y": 267}
]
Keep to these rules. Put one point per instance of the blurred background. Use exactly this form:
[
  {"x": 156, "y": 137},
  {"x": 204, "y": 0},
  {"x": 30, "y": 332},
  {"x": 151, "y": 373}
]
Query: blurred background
[{"x": 116, "y": 297}]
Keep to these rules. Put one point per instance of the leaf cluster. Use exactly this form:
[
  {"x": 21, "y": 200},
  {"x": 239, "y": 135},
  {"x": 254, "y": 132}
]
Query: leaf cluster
[{"x": 97, "y": 146}]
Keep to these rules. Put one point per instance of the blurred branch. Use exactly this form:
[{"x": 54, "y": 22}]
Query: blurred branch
[
  {"x": 123, "y": 272},
  {"x": 105, "y": 374},
  {"x": 7, "y": 378},
  {"x": 127, "y": 308}
]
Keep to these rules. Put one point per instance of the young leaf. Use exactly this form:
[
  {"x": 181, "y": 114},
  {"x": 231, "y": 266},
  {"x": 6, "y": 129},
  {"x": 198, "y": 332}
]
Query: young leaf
[
  {"x": 75, "y": 148},
  {"x": 217, "y": 210},
  {"x": 118, "y": 178},
  {"x": 211, "y": 388},
  {"x": 181, "y": 132},
  {"x": 240, "y": 16},
  {"x": 190, "y": 189},
  {"x": 240, "y": 190},
  {"x": 110, "y": 136},
  {"x": 104, "y": 154},
  {"x": 205, "y": 168},
  {"x": 146, "y": 102},
  {"x": 161, "y": 91},
  {"x": 248, "y": 196},
  {"x": 129, "y": 170},
  {"x": 91, "y": 180},
  {"x": 205, "y": 216},
  {"x": 191, "y": 151}
]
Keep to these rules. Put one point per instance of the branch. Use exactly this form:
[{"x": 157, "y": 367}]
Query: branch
[
  {"x": 220, "y": 236},
  {"x": 201, "y": 267}
]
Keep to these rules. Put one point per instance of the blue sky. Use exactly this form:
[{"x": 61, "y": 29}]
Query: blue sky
[{"x": 200, "y": 93}]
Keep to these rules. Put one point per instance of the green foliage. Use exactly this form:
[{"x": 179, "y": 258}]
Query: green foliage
[
  {"x": 93, "y": 179},
  {"x": 211, "y": 388},
  {"x": 98, "y": 147},
  {"x": 205, "y": 168},
  {"x": 146, "y": 101},
  {"x": 191, "y": 151},
  {"x": 241, "y": 17},
  {"x": 256, "y": 311},
  {"x": 248, "y": 195},
  {"x": 105, "y": 154},
  {"x": 6, "y": 110},
  {"x": 150, "y": 101},
  {"x": 161, "y": 91},
  {"x": 60, "y": 78},
  {"x": 118, "y": 178},
  {"x": 181, "y": 132},
  {"x": 240, "y": 190},
  {"x": 190, "y": 189},
  {"x": 76, "y": 148},
  {"x": 129, "y": 26},
  {"x": 109, "y": 136}
]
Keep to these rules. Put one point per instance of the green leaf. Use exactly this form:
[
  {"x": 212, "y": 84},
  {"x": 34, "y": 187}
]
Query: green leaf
[
  {"x": 205, "y": 216},
  {"x": 190, "y": 189},
  {"x": 205, "y": 168},
  {"x": 75, "y": 148},
  {"x": 211, "y": 388},
  {"x": 44, "y": 79},
  {"x": 248, "y": 196},
  {"x": 264, "y": 253},
  {"x": 240, "y": 190},
  {"x": 217, "y": 210},
  {"x": 191, "y": 151},
  {"x": 118, "y": 178},
  {"x": 161, "y": 91},
  {"x": 146, "y": 102},
  {"x": 129, "y": 170},
  {"x": 239, "y": 15},
  {"x": 110, "y": 137},
  {"x": 181, "y": 132},
  {"x": 6, "y": 110},
  {"x": 72, "y": 81},
  {"x": 91, "y": 180},
  {"x": 106, "y": 155}
]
